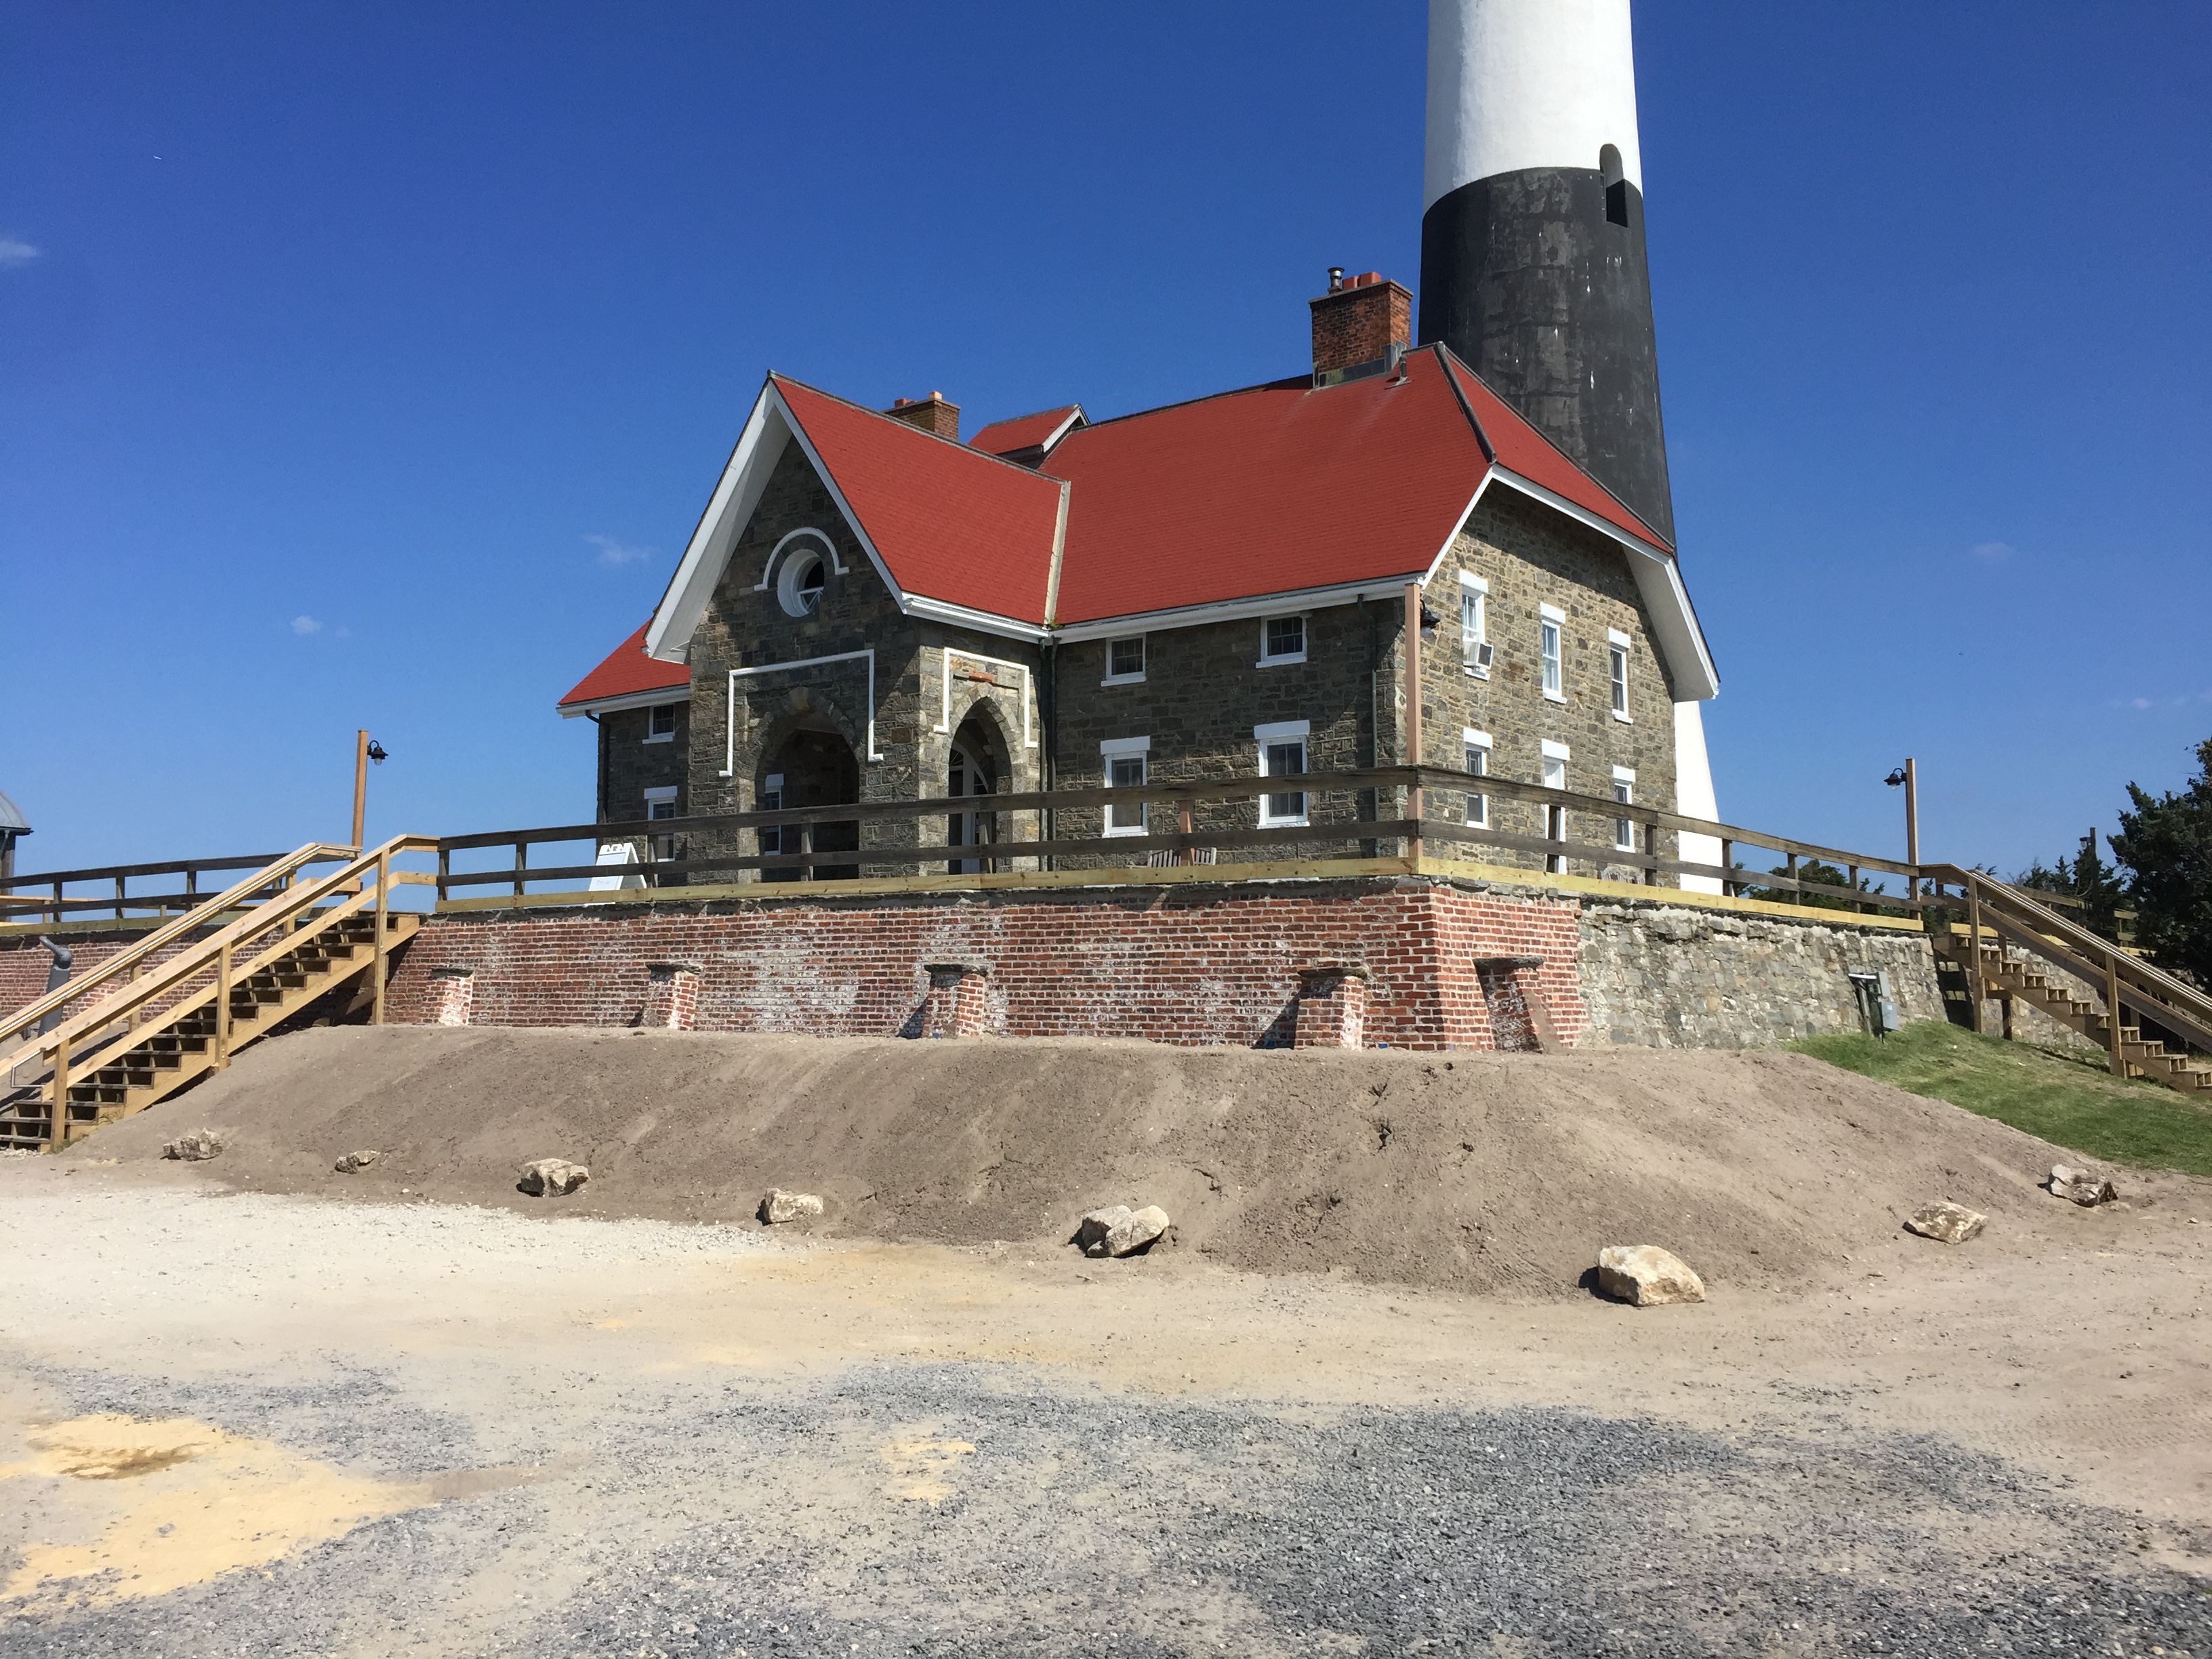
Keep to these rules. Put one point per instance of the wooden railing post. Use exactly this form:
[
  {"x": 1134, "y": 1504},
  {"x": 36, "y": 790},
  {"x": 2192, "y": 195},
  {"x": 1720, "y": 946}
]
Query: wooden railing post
[
  {"x": 1184, "y": 818},
  {"x": 2117, "y": 1050},
  {"x": 1650, "y": 851},
  {"x": 444, "y": 869},
  {"x": 522, "y": 861},
  {"x": 383, "y": 907},
  {"x": 1974, "y": 956},
  {"x": 222, "y": 1007},
  {"x": 58, "y": 1118},
  {"x": 120, "y": 882},
  {"x": 1728, "y": 863}
]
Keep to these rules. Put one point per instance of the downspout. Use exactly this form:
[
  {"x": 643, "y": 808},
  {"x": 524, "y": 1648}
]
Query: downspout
[
  {"x": 602, "y": 734},
  {"x": 1368, "y": 798},
  {"x": 1049, "y": 763}
]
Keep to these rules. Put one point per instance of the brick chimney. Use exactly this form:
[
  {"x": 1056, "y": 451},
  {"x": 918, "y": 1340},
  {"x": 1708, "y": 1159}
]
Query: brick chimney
[
  {"x": 1355, "y": 325},
  {"x": 933, "y": 413}
]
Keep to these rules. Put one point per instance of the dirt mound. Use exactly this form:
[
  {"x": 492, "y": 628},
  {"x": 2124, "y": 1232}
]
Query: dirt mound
[{"x": 1496, "y": 1174}]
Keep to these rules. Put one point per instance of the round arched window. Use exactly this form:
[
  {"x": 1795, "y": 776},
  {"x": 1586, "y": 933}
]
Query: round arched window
[{"x": 799, "y": 587}]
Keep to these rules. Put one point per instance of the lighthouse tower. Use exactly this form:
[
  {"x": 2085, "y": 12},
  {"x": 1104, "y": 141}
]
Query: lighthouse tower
[
  {"x": 1531, "y": 230},
  {"x": 1533, "y": 266}
]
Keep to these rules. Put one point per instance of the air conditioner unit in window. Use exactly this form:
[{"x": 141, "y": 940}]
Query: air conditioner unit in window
[{"x": 1483, "y": 653}]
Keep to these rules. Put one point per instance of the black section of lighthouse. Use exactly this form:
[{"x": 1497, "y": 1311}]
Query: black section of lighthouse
[{"x": 1533, "y": 266}]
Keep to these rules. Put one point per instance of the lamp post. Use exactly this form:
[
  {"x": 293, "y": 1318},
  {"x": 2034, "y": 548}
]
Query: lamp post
[
  {"x": 1908, "y": 775},
  {"x": 365, "y": 750}
]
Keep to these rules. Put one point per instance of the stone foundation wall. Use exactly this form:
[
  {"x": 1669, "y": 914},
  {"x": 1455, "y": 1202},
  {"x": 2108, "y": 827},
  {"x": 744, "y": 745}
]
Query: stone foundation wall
[{"x": 1666, "y": 975}]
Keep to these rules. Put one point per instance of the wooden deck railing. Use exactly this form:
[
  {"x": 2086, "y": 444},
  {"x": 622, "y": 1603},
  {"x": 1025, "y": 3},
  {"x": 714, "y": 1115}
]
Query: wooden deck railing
[
  {"x": 1433, "y": 817},
  {"x": 51, "y": 902}
]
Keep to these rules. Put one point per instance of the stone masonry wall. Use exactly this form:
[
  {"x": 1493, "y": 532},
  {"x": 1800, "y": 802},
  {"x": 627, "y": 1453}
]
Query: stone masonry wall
[{"x": 1666, "y": 975}]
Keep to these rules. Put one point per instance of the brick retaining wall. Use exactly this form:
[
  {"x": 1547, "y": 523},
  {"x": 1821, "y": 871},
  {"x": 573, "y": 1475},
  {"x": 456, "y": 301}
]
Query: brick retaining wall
[{"x": 1189, "y": 965}]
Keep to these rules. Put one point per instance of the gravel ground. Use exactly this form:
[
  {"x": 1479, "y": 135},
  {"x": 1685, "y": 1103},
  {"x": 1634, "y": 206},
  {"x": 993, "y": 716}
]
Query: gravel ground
[{"x": 605, "y": 1494}]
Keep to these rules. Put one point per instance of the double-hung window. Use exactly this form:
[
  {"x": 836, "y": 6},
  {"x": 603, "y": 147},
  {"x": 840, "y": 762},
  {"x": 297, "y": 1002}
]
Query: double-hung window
[
  {"x": 1125, "y": 661},
  {"x": 660, "y": 723},
  {"x": 1282, "y": 754},
  {"x": 1616, "y": 645},
  {"x": 1474, "y": 624},
  {"x": 661, "y": 803},
  {"x": 1624, "y": 791},
  {"x": 1122, "y": 761},
  {"x": 1551, "y": 625},
  {"x": 1282, "y": 640},
  {"x": 1476, "y": 747},
  {"x": 1555, "y": 818}
]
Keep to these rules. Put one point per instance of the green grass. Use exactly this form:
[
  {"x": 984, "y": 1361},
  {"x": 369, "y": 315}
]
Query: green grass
[{"x": 2069, "y": 1100}]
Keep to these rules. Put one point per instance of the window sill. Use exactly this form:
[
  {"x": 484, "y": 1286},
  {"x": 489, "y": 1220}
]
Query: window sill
[
  {"x": 1477, "y": 673},
  {"x": 1284, "y": 824},
  {"x": 1555, "y": 697},
  {"x": 1139, "y": 830},
  {"x": 1625, "y": 719},
  {"x": 663, "y": 737},
  {"x": 1280, "y": 662},
  {"x": 1123, "y": 679}
]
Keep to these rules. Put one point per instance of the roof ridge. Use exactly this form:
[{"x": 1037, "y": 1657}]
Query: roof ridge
[
  {"x": 1288, "y": 383},
  {"x": 954, "y": 443},
  {"x": 1650, "y": 531}
]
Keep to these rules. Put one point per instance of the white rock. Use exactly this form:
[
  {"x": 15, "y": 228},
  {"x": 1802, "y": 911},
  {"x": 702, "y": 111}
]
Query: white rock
[
  {"x": 1646, "y": 1276},
  {"x": 2085, "y": 1187},
  {"x": 353, "y": 1161},
  {"x": 191, "y": 1148},
  {"x": 1120, "y": 1230},
  {"x": 780, "y": 1206},
  {"x": 1951, "y": 1223},
  {"x": 551, "y": 1176}
]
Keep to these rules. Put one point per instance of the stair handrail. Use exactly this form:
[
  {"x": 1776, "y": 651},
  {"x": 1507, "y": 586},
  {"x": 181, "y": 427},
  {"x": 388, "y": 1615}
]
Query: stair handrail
[
  {"x": 267, "y": 875},
  {"x": 189, "y": 962},
  {"x": 2171, "y": 1001}
]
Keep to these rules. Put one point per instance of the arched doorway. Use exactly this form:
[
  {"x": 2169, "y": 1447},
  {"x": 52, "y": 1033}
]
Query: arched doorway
[
  {"x": 813, "y": 766},
  {"x": 975, "y": 768}
]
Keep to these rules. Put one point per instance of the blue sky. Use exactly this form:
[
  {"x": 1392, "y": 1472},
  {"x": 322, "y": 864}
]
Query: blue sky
[{"x": 369, "y": 365}]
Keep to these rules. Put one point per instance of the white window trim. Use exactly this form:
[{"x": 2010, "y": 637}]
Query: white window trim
[
  {"x": 1471, "y": 738},
  {"x": 730, "y": 720},
  {"x": 1624, "y": 777},
  {"x": 1614, "y": 636},
  {"x": 1558, "y": 618},
  {"x": 1469, "y": 582},
  {"x": 1110, "y": 749},
  {"x": 945, "y": 691},
  {"x": 662, "y": 792},
  {"x": 1283, "y": 731},
  {"x": 1305, "y": 632},
  {"x": 651, "y": 736},
  {"x": 1551, "y": 750},
  {"x": 1137, "y": 678},
  {"x": 1615, "y": 640},
  {"x": 828, "y": 546}
]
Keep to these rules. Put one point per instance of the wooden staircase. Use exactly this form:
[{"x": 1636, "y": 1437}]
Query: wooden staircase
[
  {"x": 2012, "y": 944},
  {"x": 167, "y": 1024}
]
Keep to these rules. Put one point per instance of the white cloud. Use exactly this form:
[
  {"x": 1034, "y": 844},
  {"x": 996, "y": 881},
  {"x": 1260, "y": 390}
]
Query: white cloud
[
  {"x": 617, "y": 553},
  {"x": 1993, "y": 552},
  {"x": 15, "y": 251},
  {"x": 2187, "y": 700},
  {"x": 304, "y": 626}
]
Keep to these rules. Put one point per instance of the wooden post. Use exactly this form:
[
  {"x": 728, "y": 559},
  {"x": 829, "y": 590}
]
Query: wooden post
[
  {"x": 383, "y": 909},
  {"x": 1851, "y": 881},
  {"x": 1973, "y": 955},
  {"x": 1650, "y": 851},
  {"x": 222, "y": 1007},
  {"x": 360, "y": 786},
  {"x": 1184, "y": 819},
  {"x": 1796, "y": 895},
  {"x": 522, "y": 860},
  {"x": 119, "y": 880},
  {"x": 1412, "y": 711},
  {"x": 2004, "y": 1004},
  {"x": 1912, "y": 830},
  {"x": 2118, "y": 1053},
  {"x": 1727, "y": 862},
  {"x": 58, "y": 1119},
  {"x": 444, "y": 869}
]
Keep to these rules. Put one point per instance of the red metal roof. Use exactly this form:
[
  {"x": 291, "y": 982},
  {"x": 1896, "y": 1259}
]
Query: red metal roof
[
  {"x": 628, "y": 673},
  {"x": 1264, "y": 491},
  {"x": 1024, "y": 431},
  {"x": 1524, "y": 450},
  {"x": 953, "y": 524}
]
